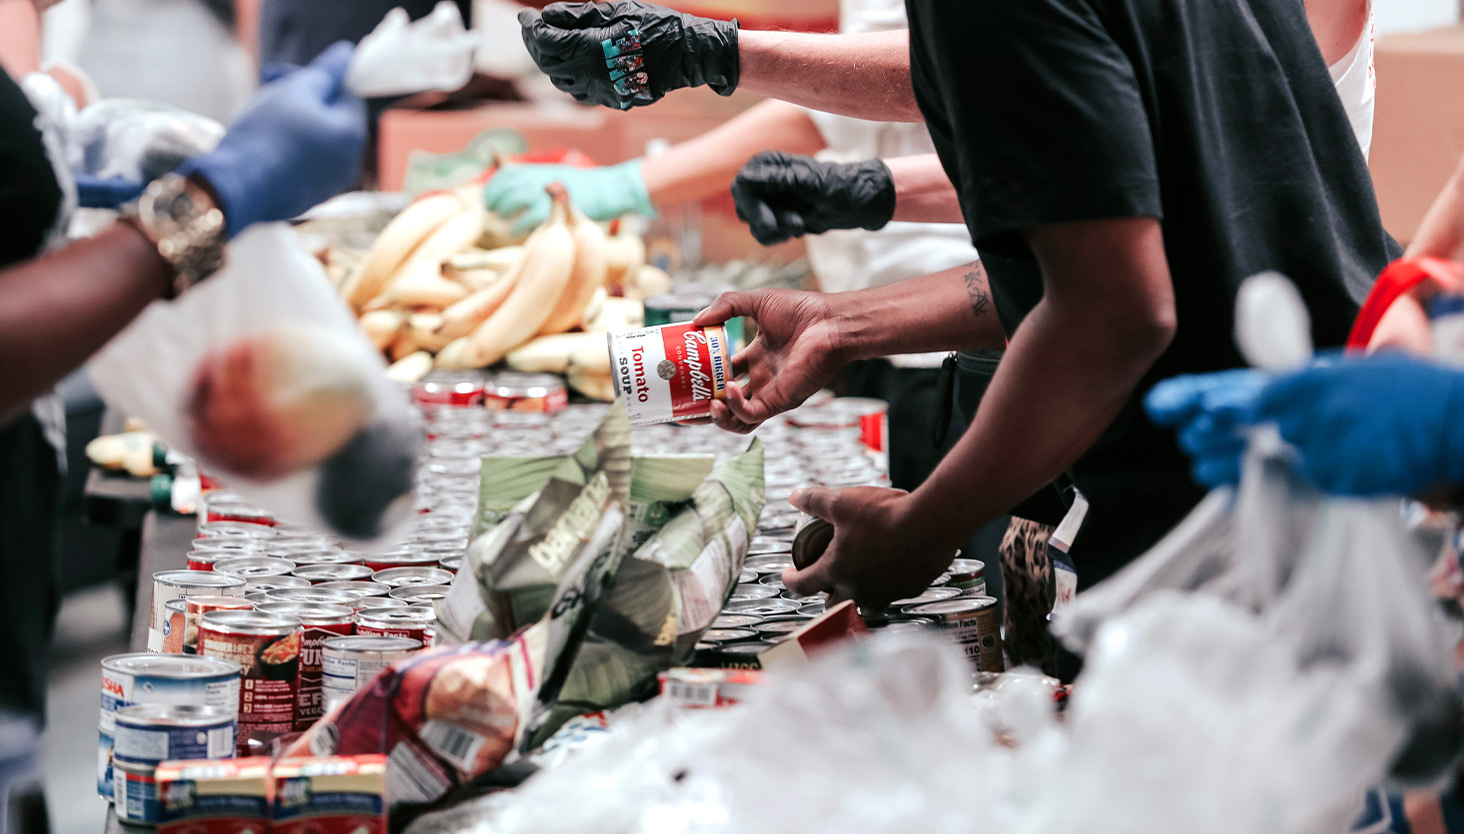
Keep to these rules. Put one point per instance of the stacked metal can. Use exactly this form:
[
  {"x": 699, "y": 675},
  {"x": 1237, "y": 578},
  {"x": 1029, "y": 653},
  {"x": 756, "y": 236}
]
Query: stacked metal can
[{"x": 831, "y": 442}]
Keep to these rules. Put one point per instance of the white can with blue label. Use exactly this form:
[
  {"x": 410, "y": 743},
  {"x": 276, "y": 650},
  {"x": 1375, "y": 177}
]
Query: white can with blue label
[
  {"x": 137, "y": 793},
  {"x": 150, "y": 733},
  {"x": 146, "y": 678}
]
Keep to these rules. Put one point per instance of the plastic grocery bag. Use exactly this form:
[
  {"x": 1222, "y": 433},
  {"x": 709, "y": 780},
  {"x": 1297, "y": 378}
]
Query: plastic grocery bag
[
  {"x": 323, "y": 439},
  {"x": 1338, "y": 582},
  {"x": 402, "y": 56},
  {"x": 138, "y": 140}
]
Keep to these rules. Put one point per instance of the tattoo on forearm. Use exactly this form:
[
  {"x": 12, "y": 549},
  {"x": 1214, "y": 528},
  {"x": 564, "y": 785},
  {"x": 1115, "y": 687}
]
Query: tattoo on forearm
[{"x": 976, "y": 291}]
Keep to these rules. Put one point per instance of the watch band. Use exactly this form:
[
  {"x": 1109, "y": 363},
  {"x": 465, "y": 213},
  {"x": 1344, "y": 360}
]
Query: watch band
[{"x": 181, "y": 220}]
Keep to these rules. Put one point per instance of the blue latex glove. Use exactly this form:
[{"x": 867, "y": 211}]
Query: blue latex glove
[
  {"x": 601, "y": 193},
  {"x": 297, "y": 143},
  {"x": 1386, "y": 425},
  {"x": 106, "y": 193},
  {"x": 1211, "y": 412},
  {"x": 1383, "y": 425}
]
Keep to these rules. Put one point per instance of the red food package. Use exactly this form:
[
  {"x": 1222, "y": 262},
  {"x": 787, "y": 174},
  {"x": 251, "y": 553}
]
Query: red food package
[{"x": 444, "y": 716}]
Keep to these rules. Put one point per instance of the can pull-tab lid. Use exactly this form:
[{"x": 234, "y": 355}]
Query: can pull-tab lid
[{"x": 1062, "y": 537}]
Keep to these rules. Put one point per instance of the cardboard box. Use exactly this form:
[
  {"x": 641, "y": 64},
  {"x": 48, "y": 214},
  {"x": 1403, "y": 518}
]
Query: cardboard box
[
  {"x": 1418, "y": 136},
  {"x": 607, "y": 136}
]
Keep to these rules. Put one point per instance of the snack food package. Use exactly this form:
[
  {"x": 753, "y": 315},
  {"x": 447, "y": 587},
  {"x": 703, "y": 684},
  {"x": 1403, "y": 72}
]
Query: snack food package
[
  {"x": 447, "y": 715},
  {"x": 510, "y": 573},
  {"x": 684, "y": 544},
  {"x": 262, "y": 374}
]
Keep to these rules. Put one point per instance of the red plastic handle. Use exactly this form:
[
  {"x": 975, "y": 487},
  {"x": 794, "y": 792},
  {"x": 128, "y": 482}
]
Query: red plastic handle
[{"x": 1398, "y": 278}]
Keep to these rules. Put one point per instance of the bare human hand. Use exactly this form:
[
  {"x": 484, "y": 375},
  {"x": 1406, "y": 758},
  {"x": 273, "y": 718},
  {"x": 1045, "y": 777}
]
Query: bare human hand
[
  {"x": 797, "y": 351},
  {"x": 880, "y": 552}
]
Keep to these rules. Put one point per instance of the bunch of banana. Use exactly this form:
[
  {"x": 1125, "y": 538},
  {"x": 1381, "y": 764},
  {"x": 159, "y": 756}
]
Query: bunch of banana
[{"x": 431, "y": 293}]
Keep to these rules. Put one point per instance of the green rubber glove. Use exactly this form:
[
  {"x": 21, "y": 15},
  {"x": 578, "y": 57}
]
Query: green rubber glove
[{"x": 517, "y": 191}]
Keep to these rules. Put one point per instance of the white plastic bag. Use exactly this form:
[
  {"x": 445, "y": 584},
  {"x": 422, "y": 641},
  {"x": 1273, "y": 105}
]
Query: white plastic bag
[
  {"x": 402, "y": 56},
  {"x": 271, "y": 289}
]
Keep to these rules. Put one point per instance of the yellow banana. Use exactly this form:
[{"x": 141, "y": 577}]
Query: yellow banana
[
  {"x": 464, "y": 317},
  {"x": 625, "y": 255},
  {"x": 592, "y": 385},
  {"x": 382, "y": 326},
  {"x": 617, "y": 314},
  {"x": 561, "y": 352},
  {"x": 395, "y": 243},
  {"x": 410, "y": 368},
  {"x": 421, "y": 274},
  {"x": 587, "y": 276},
  {"x": 455, "y": 356},
  {"x": 548, "y": 262},
  {"x": 423, "y": 327}
]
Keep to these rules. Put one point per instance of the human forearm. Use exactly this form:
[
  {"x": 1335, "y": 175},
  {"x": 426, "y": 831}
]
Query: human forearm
[
  {"x": 948, "y": 310},
  {"x": 1061, "y": 382},
  {"x": 923, "y": 192},
  {"x": 59, "y": 309},
  {"x": 705, "y": 165},
  {"x": 865, "y": 76},
  {"x": 1106, "y": 315},
  {"x": 1441, "y": 234}
]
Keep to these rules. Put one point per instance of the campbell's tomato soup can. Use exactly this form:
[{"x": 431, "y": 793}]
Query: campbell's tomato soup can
[
  {"x": 514, "y": 391},
  {"x": 321, "y": 622},
  {"x": 412, "y": 621},
  {"x": 349, "y": 663},
  {"x": 451, "y": 563},
  {"x": 406, "y": 577},
  {"x": 319, "y": 574},
  {"x": 206, "y": 552},
  {"x": 406, "y": 557},
  {"x": 253, "y": 567},
  {"x": 458, "y": 388},
  {"x": 670, "y": 373},
  {"x": 176, "y": 584},
  {"x": 267, "y": 647},
  {"x": 146, "y": 678}
]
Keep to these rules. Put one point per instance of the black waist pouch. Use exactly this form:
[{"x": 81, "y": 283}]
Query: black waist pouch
[{"x": 964, "y": 380}]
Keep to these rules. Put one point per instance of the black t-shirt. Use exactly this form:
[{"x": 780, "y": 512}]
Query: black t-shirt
[
  {"x": 29, "y": 196},
  {"x": 1217, "y": 117}
]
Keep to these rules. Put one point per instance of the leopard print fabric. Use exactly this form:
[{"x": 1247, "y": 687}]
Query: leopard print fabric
[{"x": 1027, "y": 572}]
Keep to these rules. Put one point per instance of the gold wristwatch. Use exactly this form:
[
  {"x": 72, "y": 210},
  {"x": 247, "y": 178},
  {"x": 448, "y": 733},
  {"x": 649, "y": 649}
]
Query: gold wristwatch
[{"x": 186, "y": 226}]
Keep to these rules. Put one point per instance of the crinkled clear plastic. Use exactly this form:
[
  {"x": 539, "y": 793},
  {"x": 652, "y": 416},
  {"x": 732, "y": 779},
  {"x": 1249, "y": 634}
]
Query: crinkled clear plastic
[
  {"x": 1258, "y": 671},
  {"x": 270, "y": 288}
]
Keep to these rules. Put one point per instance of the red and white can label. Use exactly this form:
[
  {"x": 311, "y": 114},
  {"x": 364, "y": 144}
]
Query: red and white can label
[
  {"x": 670, "y": 373},
  {"x": 312, "y": 640}
]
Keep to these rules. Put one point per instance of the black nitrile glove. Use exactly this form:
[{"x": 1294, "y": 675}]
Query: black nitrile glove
[
  {"x": 627, "y": 53},
  {"x": 782, "y": 195}
]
